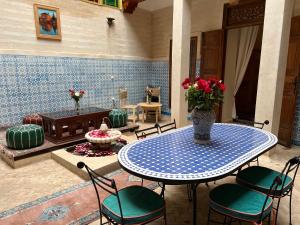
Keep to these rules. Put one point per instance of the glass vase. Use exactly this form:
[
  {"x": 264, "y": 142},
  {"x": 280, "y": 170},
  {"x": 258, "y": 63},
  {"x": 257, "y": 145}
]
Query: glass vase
[{"x": 77, "y": 106}]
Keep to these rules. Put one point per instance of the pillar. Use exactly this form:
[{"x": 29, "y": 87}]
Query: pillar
[
  {"x": 273, "y": 61},
  {"x": 180, "y": 58}
]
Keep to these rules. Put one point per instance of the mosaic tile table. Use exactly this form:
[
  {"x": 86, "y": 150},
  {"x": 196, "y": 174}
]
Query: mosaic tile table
[
  {"x": 174, "y": 158},
  {"x": 71, "y": 124}
]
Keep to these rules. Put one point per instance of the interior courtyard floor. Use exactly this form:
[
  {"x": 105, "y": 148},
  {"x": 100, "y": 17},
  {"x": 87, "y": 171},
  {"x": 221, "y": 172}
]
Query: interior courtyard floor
[{"x": 24, "y": 184}]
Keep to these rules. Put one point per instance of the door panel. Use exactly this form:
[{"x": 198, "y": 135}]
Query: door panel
[
  {"x": 290, "y": 86},
  {"x": 193, "y": 57},
  {"x": 212, "y": 57}
]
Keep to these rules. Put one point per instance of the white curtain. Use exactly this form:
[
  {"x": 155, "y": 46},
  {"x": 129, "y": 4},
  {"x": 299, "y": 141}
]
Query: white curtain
[{"x": 246, "y": 44}]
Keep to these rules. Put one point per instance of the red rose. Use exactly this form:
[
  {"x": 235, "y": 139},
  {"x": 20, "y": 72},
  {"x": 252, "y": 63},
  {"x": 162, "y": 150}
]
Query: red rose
[
  {"x": 186, "y": 86},
  {"x": 81, "y": 92},
  {"x": 202, "y": 84},
  {"x": 207, "y": 90},
  {"x": 185, "y": 82},
  {"x": 222, "y": 87}
]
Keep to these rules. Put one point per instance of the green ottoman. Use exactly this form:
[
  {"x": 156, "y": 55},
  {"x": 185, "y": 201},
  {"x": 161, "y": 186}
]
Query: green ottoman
[
  {"x": 24, "y": 136},
  {"x": 118, "y": 118}
]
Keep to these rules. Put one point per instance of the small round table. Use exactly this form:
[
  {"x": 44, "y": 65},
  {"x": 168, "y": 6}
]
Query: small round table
[{"x": 153, "y": 106}]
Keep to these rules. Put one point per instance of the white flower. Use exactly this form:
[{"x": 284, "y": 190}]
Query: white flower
[
  {"x": 195, "y": 85},
  {"x": 77, "y": 94}
]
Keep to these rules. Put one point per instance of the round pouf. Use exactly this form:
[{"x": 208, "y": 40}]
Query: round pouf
[
  {"x": 24, "y": 136},
  {"x": 33, "y": 119},
  {"x": 118, "y": 118}
]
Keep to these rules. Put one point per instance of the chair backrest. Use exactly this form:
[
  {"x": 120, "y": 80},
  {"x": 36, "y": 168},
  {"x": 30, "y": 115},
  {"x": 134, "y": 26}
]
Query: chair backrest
[
  {"x": 123, "y": 97},
  {"x": 155, "y": 93},
  {"x": 276, "y": 182},
  {"x": 291, "y": 168},
  {"x": 167, "y": 127},
  {"x": 140, "y": 134},
  {"x": 108, "y": 185},
  {"x": 259, "y": 125}
]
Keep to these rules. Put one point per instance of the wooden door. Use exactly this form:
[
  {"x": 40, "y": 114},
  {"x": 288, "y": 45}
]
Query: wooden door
[
  {"x": 212, "y": 58},
  {"x": 290, "y": 86},
  {"x": 193, "y": 58}
]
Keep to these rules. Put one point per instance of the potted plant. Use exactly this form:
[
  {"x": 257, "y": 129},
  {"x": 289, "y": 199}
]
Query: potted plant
[
  {"x": 76, "y": 95},
  {"x": 203, "y": 96}
]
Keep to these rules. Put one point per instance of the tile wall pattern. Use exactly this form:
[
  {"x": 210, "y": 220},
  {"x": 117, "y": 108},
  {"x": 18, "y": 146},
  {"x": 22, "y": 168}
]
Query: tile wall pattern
[
  {"x": 296, "y": 133},
  {"x": 31, "y": 84}
]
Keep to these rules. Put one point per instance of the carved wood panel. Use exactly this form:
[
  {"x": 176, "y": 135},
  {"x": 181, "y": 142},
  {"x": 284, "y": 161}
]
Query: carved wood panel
[{"x": 243, "y": 14}]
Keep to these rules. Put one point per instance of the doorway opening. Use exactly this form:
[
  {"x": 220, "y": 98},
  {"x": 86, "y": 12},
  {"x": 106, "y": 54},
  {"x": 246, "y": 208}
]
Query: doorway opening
[{"x": 241, "y": 70}]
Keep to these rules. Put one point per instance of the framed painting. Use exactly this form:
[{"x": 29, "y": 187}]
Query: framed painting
[{"x": 47, "y": 22}]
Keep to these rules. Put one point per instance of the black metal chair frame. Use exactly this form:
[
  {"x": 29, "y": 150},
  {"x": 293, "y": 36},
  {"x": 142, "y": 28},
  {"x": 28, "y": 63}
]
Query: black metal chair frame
[
  {"x": 108, "y": 185},
  {"x": 291, "y": 166},
  {"x": 277, "y": 181},
  {"x": 140, "y": 134},
  {"x": 167, "y": 127}
]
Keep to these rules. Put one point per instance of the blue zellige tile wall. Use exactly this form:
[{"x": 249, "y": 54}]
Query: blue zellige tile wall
[{"x": 30, "y": 84}]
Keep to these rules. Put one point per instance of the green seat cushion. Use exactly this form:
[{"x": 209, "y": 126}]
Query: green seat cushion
[
  {"x": 24, "y": 136},
  {"x": 138, "y": 204},
  {"x": 118, "y": 118},
  {"x": 239, "y": 202},
  {"x": 261, "y": 178}
]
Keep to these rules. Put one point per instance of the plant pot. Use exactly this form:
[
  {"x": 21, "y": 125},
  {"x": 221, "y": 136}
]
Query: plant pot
[{"x": 202, "y": 123}]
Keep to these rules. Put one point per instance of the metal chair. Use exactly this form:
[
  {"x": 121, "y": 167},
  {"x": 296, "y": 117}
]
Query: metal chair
[
  {"x": 140, "y": 134},
  {"x": 259, "y": 125},
  {"x": 258, "y": 178},
  {"x": 239, "y": 203},
  {"x": 129, "y": 205},
  {"x": 167, "y": 127}
]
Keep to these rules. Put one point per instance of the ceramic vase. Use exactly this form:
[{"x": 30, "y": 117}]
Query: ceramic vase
[{"x": 202, "y": 123}]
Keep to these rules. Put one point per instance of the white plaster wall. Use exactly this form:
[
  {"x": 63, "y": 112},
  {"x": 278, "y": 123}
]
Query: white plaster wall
[
  {"x": 206, "y": 15},
  {"x": 85, "y": 32}
]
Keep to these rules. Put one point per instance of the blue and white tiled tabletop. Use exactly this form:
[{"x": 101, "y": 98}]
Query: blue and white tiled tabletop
[{"x": 174, "y": 156}]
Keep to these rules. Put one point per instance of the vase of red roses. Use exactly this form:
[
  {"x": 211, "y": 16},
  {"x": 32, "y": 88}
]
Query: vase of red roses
[
  {"x": 76, "y": 95},
  {"x": 203, "y": 96}
]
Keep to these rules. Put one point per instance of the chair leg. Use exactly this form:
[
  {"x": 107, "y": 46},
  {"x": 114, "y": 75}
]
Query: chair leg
[{"x": 291, "y": 207}]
